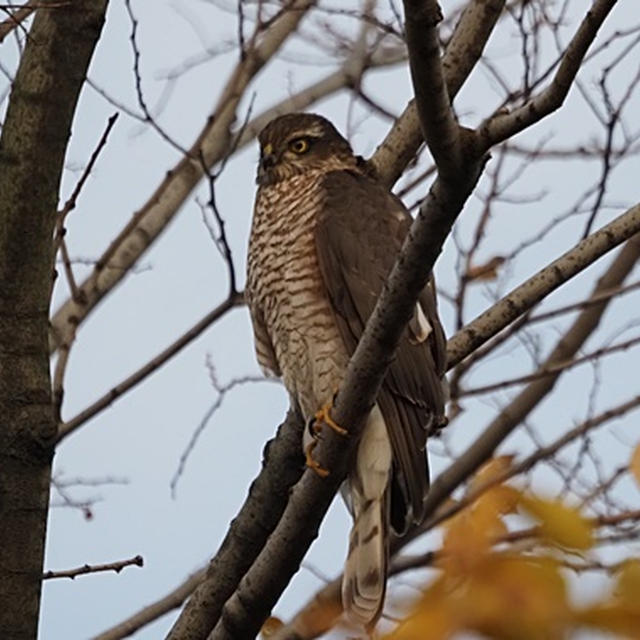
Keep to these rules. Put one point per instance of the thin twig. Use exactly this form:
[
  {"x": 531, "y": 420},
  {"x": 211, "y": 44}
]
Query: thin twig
[
  {"x": 155, "y": 610},
  {"x": 70, "y": 204},
  {"x": 552, "y": 369},
  {"x": 66, "y": 428},
  {"x": 222, "y": 390},
  {"x": 118, "y": 566}
]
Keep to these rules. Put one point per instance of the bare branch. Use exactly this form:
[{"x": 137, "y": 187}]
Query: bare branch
[
  {"x": 527, "y": 320},
  {"x": 618, "y": 292},
  {"x": 142, "y": 103},
  {"x": 70, "y": 204},
  {"x": 15, "y": 19},
  {"x": 211, "y": 145},
  {"x": 502, "y": 126},
  {"x": 155, "y": 610},
  {"x": 542, "y": 283},
  {"x": 544, "y": 452},
  {"x": 552, "y": 369},
  {"x": 94, "y": 568},
  {"x": 221, "y": 390},
  {"x": 439, "y": 127},
  {"x": 66, "y": 428},
  {"x": 258, "y": 516},
  {"x": 463, "y": 52},
  {"x": 512, "y": 415},
  {"x": 60, "y": 243}
]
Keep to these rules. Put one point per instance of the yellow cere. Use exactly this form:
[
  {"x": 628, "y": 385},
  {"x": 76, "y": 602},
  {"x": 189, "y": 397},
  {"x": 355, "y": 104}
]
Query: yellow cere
[{"x": 267, "y": 149}]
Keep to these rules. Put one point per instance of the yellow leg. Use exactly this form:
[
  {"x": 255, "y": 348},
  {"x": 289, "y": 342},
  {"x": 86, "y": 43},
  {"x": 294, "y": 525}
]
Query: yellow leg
[
  {"x": 311, "y": 463},
  {"x": 323, "y": 415}
]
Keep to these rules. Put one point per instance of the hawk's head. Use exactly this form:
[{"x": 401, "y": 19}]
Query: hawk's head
[{"x": 301, "y": 142}]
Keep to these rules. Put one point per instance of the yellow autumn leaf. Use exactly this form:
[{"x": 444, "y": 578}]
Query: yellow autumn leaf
[
  {"x": 619, "y": 619},
  {"x": 560, "y": 523},
  {"x": 490, "y": 471},
  {"x": 486, "y": 271},
  {"x": 634, "y": 464},
  {"x": 429, "y": 623},
  {"x": 485, "y": 516},
  {"x": 516, "y": 597},
  {"x": 502, "y": 596},
  {"x": 502, "y": 499},
  {"x": 270, "y": 626},
  {"x": 465, "y": 543},
  {"x": 430, "y": 618},
  {"x": 322, "y": 613},
  {"x": 470, "y": 534},
  {"x": 627, "y": 587}
]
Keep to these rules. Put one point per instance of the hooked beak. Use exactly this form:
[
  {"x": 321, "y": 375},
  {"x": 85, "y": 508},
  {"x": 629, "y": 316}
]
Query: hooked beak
[{"x": 267, "y": 162}]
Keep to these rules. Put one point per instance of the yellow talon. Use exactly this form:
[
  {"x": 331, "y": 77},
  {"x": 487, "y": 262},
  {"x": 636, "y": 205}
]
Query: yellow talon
[
  {"x": 320, "y": 417},
  {"x": 311, "y": 463},
  {"x": 323, "y": 416}
]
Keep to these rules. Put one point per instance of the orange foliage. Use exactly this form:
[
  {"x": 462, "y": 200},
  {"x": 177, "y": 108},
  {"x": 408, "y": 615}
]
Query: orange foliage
[{"x": 498, "y": 593}]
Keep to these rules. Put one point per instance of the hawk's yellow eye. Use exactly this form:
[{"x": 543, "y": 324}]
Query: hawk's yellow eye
[{"x": 299, "y": 145}]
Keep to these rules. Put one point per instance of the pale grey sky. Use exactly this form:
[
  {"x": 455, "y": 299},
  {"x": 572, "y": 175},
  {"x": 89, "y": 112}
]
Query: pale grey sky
[{"x": 141, "y": 437}]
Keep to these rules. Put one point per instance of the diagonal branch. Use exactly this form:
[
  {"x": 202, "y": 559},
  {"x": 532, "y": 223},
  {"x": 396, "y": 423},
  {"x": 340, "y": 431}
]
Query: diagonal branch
[
  {"x": 67, "y": 428},
  {"x": 529, "y": 398},
  {"x": 463, "y": 52},
  {"x": 530, "y": 292},
  {"x": 261, "y": 586},
  {"x": 439, "y": 127},
  {"x": 15, "y": 19},
  {"x": 59, "y": 243},
  {"x": 552, "y": 369},
  {"x": 211, "y": 146},
  {"x": 155, "y": 610},
  {"x": 248, "y": 532},
  {"x": 502, "y": 126}
]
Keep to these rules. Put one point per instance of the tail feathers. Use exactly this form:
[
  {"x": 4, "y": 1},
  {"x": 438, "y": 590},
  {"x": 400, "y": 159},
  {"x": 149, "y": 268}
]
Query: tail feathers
[{"x": 365, "y": 572}]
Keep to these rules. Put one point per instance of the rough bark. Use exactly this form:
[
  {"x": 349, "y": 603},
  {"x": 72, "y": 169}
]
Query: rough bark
[
  {"x": 32, "y": 148},
  {"x": 267, "y": 499}
]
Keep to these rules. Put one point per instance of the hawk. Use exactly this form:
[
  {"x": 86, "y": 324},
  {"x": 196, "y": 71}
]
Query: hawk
[{"x": 324, "y": 237}]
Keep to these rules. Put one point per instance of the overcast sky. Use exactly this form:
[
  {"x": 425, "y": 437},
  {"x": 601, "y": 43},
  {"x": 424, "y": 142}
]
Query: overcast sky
[{"x": 142, "y": 436}]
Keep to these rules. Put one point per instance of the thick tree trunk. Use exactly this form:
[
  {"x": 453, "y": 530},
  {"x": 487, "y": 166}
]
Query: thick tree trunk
[{"x": 32, "y": 149}]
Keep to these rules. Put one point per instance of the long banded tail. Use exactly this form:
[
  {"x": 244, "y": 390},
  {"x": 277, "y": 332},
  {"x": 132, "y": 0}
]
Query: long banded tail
[{"x": 365, "y": 572}]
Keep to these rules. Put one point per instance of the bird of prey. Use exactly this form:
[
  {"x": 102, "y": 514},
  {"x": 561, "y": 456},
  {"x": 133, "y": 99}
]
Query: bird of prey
[{"x": 324, "y": 238}]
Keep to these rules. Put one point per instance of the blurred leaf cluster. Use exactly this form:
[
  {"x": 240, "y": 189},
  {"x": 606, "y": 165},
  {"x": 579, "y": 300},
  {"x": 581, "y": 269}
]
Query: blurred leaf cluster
[{"x": 491, "y": 584}]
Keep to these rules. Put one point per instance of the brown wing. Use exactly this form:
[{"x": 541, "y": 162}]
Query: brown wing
[{"x": 359, "y": 233}]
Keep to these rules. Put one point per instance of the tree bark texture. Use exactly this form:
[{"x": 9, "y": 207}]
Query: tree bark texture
[{"x": 32, "y": 150}]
